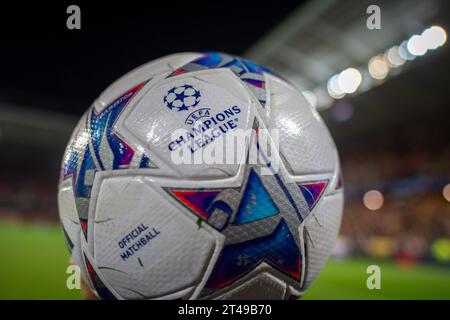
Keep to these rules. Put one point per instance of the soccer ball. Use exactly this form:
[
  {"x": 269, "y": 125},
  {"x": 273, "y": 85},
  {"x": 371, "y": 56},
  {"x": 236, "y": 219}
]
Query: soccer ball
[{"x": 143, "y": 224}]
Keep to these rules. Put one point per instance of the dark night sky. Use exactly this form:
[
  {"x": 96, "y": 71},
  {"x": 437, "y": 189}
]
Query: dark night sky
[{"x": 45, "y": 65}]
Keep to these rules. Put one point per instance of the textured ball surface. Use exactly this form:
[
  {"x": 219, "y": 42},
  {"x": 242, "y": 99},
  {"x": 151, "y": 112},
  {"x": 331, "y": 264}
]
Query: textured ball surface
[{"x": 143, "y": 226}]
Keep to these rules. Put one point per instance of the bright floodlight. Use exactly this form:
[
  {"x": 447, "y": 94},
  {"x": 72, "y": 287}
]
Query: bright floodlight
[
  {"x": 446, "y": 192},
  {"x": 394, "y": 58},
  {"x": 378, "y": 67},
  {"x": 349, "y": 80},
  {"x": 404, "y": 53},
  {"x": 434, "y": 37},
  {"x": 373, "y": 200},
  {"x": 333, "y": 88},
  {"x": 417, "y": 46}
]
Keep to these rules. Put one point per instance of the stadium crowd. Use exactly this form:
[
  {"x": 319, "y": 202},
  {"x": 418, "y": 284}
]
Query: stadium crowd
[{"x": 414, "y": 214}]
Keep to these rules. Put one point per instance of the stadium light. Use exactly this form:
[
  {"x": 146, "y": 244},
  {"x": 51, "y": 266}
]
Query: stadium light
[
  {"x": 446, "y": 192},
  {"x": 430, "y": 39},
  {"x": 434, "y": 37},
  {"x": 378, "y": 67},
  {"x": 404, "y": 53},
  {"x": 333, "y": 88},
  {"x": 373, "y": 200},
  {"x": 416, "y": 45},
  {"x": 394, "y": 57},
  {"x": 349, "y": 80}
]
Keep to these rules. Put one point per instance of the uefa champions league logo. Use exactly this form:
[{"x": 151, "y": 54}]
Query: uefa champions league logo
[{"x": 182, "y": 98}]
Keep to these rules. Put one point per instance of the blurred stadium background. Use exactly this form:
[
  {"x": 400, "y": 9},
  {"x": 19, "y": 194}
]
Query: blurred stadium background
[{"x": 384, "y": 94}]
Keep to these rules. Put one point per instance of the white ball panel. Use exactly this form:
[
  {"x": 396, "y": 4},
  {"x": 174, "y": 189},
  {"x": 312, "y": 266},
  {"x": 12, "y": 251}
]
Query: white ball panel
[
  {"x": 69, "y": 219},
  {"x": 263, "y": 286},
  {"x": 175, "y": 258},
  {"x": 305, "y": 141},
  {"x": 78, "y": 259},
  {"x": 322, "y": 230},
  {"x": 68, "y": 211},
  {"x": 153, "y": 124}
]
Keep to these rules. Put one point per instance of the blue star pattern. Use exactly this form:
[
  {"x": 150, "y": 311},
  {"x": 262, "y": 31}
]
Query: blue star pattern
[
  {"x": 182, "y": 97},
  {"x": 278, "y": 249},
  {"x": 273, "y": 231},
  {"x": 250, "y": 73},
  {"x": 260, "y": 221}
]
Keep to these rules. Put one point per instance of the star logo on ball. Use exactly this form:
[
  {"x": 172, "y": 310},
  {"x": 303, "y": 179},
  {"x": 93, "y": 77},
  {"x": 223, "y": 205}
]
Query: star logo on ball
[{"x": 182, "y": 97}]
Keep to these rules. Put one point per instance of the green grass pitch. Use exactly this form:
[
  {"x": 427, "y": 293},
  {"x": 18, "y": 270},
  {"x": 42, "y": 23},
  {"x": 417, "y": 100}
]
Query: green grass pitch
[{"x": 34, "y": 260}]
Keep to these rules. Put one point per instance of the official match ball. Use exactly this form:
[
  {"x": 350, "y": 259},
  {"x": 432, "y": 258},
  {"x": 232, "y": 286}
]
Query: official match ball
[{"x": 200, "y": 176}]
